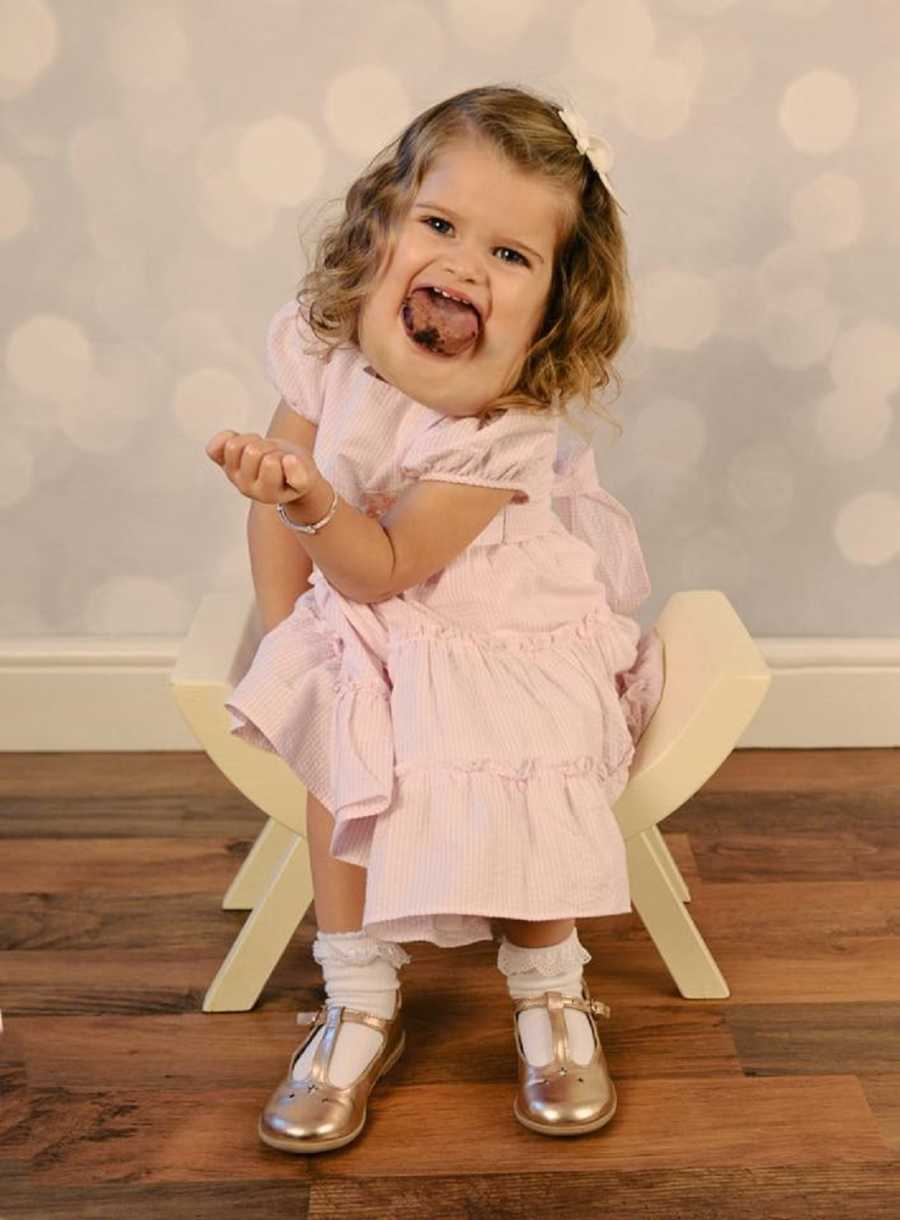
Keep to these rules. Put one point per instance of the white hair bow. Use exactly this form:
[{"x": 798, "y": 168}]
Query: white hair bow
[{"x": 598, "y": 150}]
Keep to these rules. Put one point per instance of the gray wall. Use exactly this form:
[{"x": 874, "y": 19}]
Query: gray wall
[{"x": 159, "y": 161}]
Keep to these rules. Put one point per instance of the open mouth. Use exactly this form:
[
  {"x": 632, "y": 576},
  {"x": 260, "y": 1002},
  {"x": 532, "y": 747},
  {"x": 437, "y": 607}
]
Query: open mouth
[{"x": 438, "y": 325}]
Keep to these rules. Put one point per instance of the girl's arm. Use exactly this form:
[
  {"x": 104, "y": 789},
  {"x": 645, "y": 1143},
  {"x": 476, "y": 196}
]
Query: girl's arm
[{"x": 280, "y": 565}]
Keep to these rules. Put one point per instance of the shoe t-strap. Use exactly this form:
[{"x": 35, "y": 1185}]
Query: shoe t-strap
[
  {"x": 314, "y": 1020},
  {"x": 597, "y": 1007},
  {"x": 367, "y": 1018},
  {"x": 318, "y": 1068},
  {"x": 554, "y": 1002}
]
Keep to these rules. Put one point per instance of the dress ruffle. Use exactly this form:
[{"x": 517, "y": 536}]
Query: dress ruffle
[
  {"x": 453, "y": 835},
  {"x": 472, "y": 772}
]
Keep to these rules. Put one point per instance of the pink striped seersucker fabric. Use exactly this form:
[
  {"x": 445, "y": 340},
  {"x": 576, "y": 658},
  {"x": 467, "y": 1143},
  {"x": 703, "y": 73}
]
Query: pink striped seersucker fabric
[{"x": 471, "y": 735}]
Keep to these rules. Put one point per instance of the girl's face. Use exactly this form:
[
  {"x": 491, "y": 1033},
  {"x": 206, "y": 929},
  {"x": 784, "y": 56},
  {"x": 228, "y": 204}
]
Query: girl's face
[{"x": 489, "y": 232}]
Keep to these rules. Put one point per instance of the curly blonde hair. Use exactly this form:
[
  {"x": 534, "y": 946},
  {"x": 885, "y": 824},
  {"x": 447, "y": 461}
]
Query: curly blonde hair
[{"x": 586, "y": 319}]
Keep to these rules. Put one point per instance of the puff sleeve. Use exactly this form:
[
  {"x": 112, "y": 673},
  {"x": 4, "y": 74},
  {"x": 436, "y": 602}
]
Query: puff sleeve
[
  {"x": 515, "y": 450},
  {"x": 295, "y": 374}
]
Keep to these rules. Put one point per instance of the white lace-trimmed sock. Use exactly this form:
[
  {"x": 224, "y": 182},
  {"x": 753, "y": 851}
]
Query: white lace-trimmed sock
[
  {"x": 360, "y": 972},
  {"x": 530, "y": 972}
]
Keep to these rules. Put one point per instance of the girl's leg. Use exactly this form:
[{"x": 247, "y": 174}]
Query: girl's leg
[
  {"x": 535, "y": 933},
  {"x": 359, "y": 971},
  {"x": 340, "y": 888},
  {"x": 545, "y": 955}
]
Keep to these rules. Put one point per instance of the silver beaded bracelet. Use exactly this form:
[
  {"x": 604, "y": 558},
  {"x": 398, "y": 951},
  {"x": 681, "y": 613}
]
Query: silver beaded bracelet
[{"x": 308, "y": 529}]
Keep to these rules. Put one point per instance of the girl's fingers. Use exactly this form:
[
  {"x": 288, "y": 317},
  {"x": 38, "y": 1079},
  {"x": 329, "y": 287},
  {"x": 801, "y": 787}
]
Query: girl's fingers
[
  {"x": 234, "y": 450},
  {"x": 254, "y": 472},
  {"x": 271, "y": 475},
  {"x": 248, "y": 468},
  {"x": 215, "y": 447},
  {"x": 254, "y": 464}
]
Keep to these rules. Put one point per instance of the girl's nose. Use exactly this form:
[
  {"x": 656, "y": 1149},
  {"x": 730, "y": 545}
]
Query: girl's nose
[{"x": 464, "y": 267}]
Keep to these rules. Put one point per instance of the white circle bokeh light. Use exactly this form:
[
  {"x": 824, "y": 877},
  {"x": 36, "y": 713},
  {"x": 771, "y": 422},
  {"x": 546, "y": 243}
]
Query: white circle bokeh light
[
  {"x": 818, "y": 111},
  {"x": 29, "y": 46},
  {"x": 120, "y": 392},
  {"x": 50, "y": 357},
  {"x": 867, "y": 528},
  {"x": 280, "y": 161},
  {"x": 657, "y": 102},
  {"x": 233, "y": 214},
  {"x": 866, "y": 357},
  {"x": 676, "y": 309},
  {"x": 612, "y": 40},
  {"x": 364, "y": 108}
]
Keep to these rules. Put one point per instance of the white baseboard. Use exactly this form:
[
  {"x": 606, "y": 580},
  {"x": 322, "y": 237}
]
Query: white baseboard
[{"x": 85, "y": 693}]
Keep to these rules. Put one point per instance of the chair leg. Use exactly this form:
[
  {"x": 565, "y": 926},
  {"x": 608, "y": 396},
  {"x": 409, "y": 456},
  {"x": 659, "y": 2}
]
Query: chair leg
[
  {"x": 265, "y": 935},
  {"x": 660, "y": 847},
  {"x": 661, "y": 908},
  {"x": 272, "y": 845}
]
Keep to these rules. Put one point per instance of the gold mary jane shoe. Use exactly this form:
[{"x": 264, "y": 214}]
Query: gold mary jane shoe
[
  {"x": 563, "y": 1097},
  {"x": 313, "y": 1115}
]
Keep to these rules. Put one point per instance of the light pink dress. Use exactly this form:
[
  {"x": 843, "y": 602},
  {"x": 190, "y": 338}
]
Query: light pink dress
[{"x": 470, "y": 735}]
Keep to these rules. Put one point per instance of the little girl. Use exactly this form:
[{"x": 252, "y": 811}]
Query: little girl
[{"x": 458, "y": 682}]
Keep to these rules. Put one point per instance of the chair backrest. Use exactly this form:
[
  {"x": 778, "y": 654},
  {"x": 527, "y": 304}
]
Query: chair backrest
[{"x": 715, "y": 681}]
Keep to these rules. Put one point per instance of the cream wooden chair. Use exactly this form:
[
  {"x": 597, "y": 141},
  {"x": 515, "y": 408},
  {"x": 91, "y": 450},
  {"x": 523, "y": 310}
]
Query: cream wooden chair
[{"x": 715, "y": 682}]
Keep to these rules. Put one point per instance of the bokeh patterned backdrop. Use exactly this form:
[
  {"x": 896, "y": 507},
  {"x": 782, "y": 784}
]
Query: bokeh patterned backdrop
[{"x": 163, "y": 161}]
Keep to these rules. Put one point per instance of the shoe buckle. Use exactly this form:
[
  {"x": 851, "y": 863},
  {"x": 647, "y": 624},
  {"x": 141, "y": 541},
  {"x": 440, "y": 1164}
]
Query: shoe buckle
[{"x": 598, "y": 1007}]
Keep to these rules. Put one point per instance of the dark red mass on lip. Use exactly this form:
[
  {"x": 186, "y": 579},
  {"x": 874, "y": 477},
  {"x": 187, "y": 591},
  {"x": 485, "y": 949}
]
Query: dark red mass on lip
[{"x": 443, "y": 326}]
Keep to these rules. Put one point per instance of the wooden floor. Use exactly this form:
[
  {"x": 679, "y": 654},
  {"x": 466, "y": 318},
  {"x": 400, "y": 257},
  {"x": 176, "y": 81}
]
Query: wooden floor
[{"x": 120, "y": 1096}]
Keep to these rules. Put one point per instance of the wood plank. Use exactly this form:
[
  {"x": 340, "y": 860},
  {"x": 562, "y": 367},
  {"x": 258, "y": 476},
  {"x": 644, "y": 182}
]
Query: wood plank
[
  {"x": 111, "y": 866},
  {"x": 119, "y": 1135},
  {"x": 443, "y": 1045},
  {"x": 118, "y": 1094},
  {"x": 863, "y": 1191}
]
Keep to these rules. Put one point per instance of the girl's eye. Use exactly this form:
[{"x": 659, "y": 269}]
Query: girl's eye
[{"x": 440, "y": 220}]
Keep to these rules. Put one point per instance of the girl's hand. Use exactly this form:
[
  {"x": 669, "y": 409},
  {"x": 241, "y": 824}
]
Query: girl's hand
[{"x": 268, "y": 469}]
